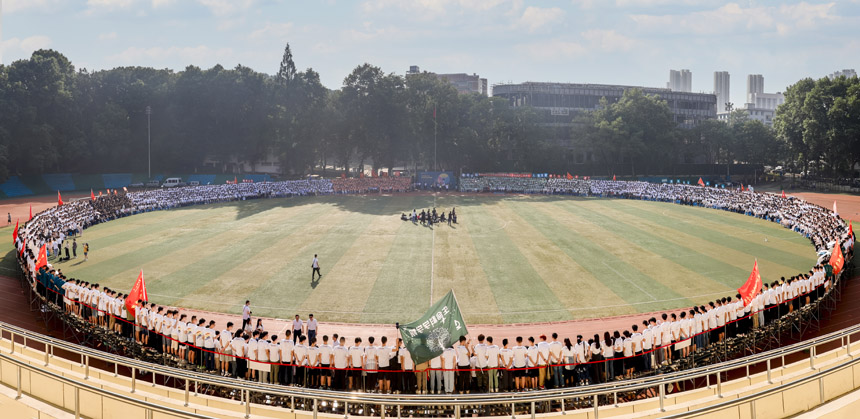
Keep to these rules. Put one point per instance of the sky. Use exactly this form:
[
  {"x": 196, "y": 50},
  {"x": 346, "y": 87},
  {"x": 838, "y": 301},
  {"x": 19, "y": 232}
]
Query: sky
[{"x": 629, "y": 42}]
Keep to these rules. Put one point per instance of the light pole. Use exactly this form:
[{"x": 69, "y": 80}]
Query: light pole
[{"x": 148, "y": 144}]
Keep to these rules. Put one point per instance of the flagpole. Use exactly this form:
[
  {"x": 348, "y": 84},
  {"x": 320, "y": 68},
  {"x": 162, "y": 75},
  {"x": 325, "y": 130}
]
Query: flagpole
[{"x": 434, "y": 138}]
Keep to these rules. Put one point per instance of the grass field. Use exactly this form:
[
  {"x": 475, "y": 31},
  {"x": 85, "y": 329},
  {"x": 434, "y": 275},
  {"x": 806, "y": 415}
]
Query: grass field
[{"x": 509, "y": 260}]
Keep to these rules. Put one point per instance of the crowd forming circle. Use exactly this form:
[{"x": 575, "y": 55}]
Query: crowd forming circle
[{"x": 485, "y": 365}]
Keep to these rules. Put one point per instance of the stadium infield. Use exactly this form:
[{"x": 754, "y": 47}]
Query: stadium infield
[{"x": 511, "y": 259}]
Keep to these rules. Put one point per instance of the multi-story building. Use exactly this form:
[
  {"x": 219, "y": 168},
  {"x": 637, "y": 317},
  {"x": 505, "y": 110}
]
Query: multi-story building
[
  {"x": 848, "y": 72},
  {"x": 464, "y": 83},
  {"x": 767, "y": 100},
  {"x": 755, "y": 84},
  {"x": 759, "y": 114},
  {"x": 722, "y": 90},
  {"x": 680, "y": 80}
]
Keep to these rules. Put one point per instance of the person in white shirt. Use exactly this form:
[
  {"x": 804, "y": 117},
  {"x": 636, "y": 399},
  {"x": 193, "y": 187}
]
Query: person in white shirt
[
  {"x": 542, "y": 361},
  {"x": 340, "y": 355},
  {"x": 238, "y": 346},
  {"x": 226, "y": 359},
  {"x": 181, "y": 337},
  {"x": 464, "y": 376},
  {"x": 315, "y": 266},
  {"x": 436, "y": 375},
  {"x": 326, "y": 359},
  {"x": 370, "y": 365},
  {"x": 246, "y": 316},
  {"x": 407, "y": 365},
  {"x": 383, "y": 362},
  {"x": 312, "y": 327},
  {"x": 506, "y": 361},
  {"x": 449, "y": 363},
  {"x": 491, "y": 356},
  {"x": 298, "y": 328},
  {"x": 313, "y": 364},
  {"x": 286, "y": 346},
  {"x": 300, "y": 352},
  {"x": 263, "y": 344},
  {"x": 356, "y": 362},
  {"x": 532, "y": 356},
  {"x": 555, "y": 361},
  {"x": 519, "y": 364},
  {"x": 479, "y": 351},
  {"x": 251, "y": 353}
]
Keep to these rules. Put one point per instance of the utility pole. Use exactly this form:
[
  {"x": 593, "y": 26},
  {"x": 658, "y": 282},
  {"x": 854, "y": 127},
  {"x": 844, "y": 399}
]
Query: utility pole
[
  {"x": 434, "y": 138},
  {"x": 148, "y": 143}
]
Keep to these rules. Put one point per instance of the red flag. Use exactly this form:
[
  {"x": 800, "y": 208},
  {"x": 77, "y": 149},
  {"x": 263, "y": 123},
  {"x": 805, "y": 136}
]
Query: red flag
[
  {"x": 114, "y": 191},
  {"x": 613, "y": 177},
  {"x": 15, "y": 232},
  {"x": 569, "y": 177},
  {"x": 850, "y": 229},
  {"x": 343, "y": 175},
  {"x": 42, "y": 259},
  {"x": 235, "y": 180},
  {"x": 752, "y": 287},
  {"x": 92, "y": 195},
  {"x": 701, "y": 182},
  {"x": 783, "y": 193},
  {"x": 138, "y": 292},
  {"x": 59, "y": 199},
  {"x": 31, "y": 213},
  {"x": 836, "y": 258},
  {"x": 576, "y": 177}
]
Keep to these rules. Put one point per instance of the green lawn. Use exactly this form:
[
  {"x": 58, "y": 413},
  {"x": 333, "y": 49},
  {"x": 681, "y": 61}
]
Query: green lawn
[{"x": 510, "y": 260}]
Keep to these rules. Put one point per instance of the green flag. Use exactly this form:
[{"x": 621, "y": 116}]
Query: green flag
[{"x": 437, "y": 329}]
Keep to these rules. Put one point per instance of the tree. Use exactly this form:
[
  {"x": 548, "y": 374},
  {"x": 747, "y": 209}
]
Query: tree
[{"x": 287, "y": 70}]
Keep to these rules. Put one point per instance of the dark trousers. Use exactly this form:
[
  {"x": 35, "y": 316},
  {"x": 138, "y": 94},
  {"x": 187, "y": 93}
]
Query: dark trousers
[{"x": 317, "y": 272}]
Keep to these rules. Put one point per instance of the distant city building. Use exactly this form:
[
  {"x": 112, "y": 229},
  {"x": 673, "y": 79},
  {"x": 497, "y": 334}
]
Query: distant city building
[
  {"x": 759, "y": 114},
  {"x": 464, "y": 83},
  {"x": 680, "y": 81},
  {"x": 848, "y": 72},
  {"x": 766, "y": 100},
  {"x": 755, "y": 84},
  {"x": 722, "y": 90}
]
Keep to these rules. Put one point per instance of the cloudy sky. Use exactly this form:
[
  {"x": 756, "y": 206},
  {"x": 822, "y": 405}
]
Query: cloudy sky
[{"x": 632, "y": 42}]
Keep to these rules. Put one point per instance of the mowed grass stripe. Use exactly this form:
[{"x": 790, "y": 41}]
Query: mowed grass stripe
[
  {"x": 357, "y": 269},
  {"x": 456, "y": 267},
  {"x": 400, "y": 292},
  {"x": 164, "y": 221},
  {"x": 780, "y": 239},
  {"x": 638, "y": 250},
  {"x": 623, "y": 279},
  {"x": 172, "y": 276},
  {"x": 721, "y": 264},
  {"x": 249, "y": 274},
  {"x": 690, "y": 272},
  {"x": 516, "y": 286},
  {"x": 282, "y": 291},
  {"x": 107, "y": 263},
  {"x": 558, "y": 271},
  {"x": 783, "y": 261}
]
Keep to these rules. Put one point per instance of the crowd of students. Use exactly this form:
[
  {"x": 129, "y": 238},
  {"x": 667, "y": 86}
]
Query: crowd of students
[
  {"x": 298, "y": 357},
  {"x": 371, "y": 184}
]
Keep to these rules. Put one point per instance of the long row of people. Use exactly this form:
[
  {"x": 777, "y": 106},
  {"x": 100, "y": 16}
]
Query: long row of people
[{"x": 623, "y": 354}]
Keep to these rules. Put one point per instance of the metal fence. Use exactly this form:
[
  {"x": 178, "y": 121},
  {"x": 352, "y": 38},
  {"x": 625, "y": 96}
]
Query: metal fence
[{"x": 362, "y": 404}]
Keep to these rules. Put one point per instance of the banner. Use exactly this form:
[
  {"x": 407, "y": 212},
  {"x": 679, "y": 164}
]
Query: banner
[
  {"x": 752, "y": 287},
  {"x": 439, "y": 328},
  {"x": 437, "y": 178}
]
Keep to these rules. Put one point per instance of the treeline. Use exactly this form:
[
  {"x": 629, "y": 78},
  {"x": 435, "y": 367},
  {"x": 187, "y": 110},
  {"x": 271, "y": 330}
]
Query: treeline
[
  {"x": 54, "y": 118},
  {"x": 819, "y": 125}
]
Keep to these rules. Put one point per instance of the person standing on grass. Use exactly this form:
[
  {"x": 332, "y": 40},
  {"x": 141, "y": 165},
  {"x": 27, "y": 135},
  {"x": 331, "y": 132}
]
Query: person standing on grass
[
  {"x": 75, "y": 248},
  {"x": 315, "y": 265},
  {"x": 86, "y": 251}
]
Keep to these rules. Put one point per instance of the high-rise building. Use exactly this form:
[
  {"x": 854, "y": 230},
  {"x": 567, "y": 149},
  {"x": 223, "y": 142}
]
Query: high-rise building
[
  {"x": 755, "y": 84},
  {"x": 680, "y": 81},
  {"x": 722, "y": 90},
  {"x": 848, "y": 72}
]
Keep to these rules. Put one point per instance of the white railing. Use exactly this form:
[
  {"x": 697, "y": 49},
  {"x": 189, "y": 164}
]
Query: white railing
[{"x": 712, "y": 374}]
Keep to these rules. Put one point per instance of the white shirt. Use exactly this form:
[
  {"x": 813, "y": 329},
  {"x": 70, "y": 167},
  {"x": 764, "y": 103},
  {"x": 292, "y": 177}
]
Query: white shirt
[
  {"x": 301, "y": 353},
  {"x": 246, "y": 312},
  {"x": 406, "y": 359},
  {"x": 340, "y": 354},
  {"x": 519, "y": 356},
  {"x": 325, "y": 354},
  {"x": 449, "y": 359},
  {"x": 462, "y": 356},
  {"x": 355, "y": 353},
  {"x": 383, "y": 354},
  {"x": 492, "y": 355},
  {"x": 315, "y": 263},
  {"x": 507, "y": 355},
  {"x": 555, "y": 348},
  {"x": 481, "y": 355},
  {"x": 297, "y": 324},
  {"x": 286, "y": 347},
  {"x": 263, "y": 350},
  {"x": 312, "y": 324}
]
